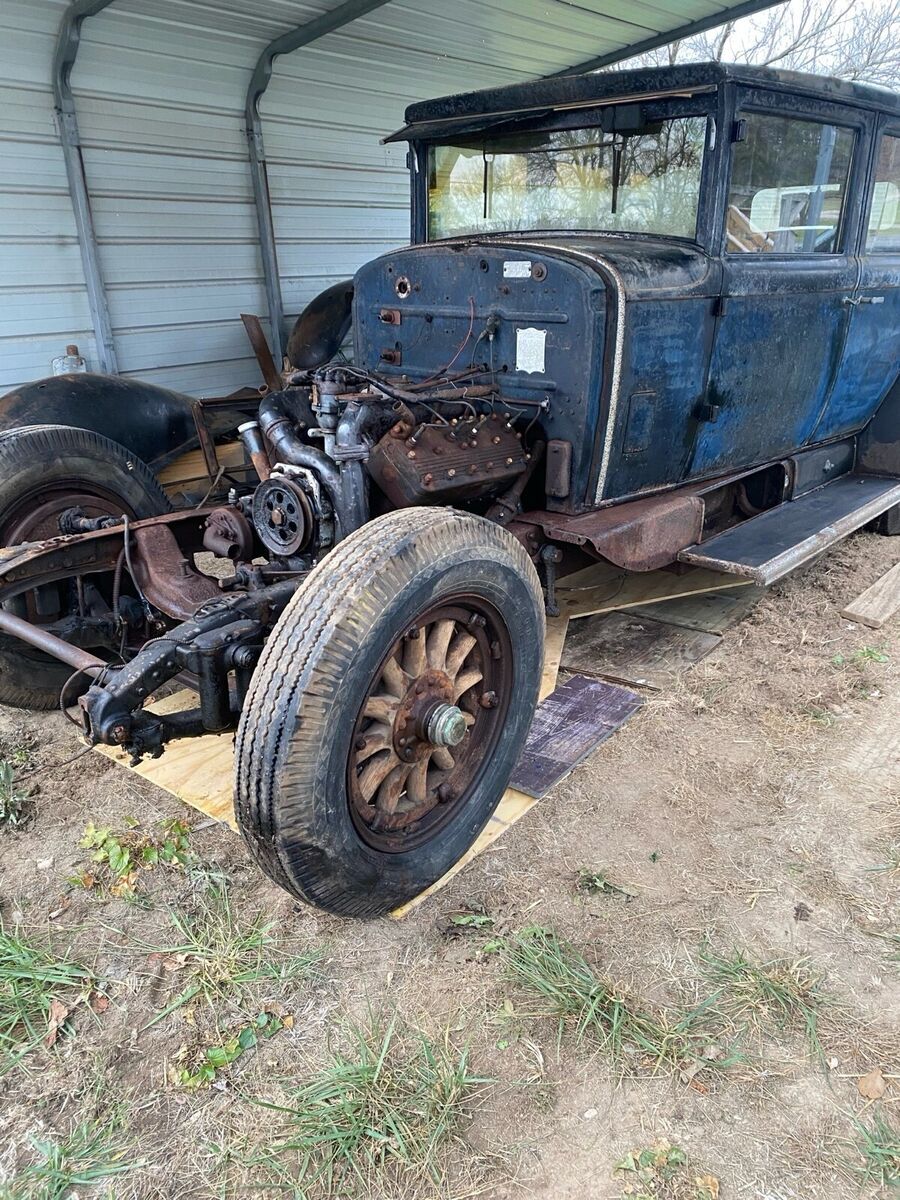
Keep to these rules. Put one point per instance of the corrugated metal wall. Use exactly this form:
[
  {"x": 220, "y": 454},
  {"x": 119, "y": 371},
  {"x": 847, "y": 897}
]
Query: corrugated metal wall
[
  {"x": 43, "y": 302},
  {"x": 160, "y": 88}
]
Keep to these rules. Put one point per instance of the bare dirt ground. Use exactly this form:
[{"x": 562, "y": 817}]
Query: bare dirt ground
[{"x": 747, "y": 816}]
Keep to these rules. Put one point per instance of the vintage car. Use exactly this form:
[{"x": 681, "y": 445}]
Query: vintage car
[{"x": 647, "y": 317}]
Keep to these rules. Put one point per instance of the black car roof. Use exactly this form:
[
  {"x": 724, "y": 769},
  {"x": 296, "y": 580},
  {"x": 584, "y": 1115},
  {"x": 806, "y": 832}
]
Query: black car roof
[{"x": 430, "y": 118}]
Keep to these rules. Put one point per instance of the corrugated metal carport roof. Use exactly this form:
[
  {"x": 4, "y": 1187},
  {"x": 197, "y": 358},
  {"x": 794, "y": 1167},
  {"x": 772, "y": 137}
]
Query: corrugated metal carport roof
[{"x": 177, "y": 213}]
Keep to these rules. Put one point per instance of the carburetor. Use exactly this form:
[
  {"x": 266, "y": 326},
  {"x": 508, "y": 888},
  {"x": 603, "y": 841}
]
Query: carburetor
[{"x": 433, "y": 463}]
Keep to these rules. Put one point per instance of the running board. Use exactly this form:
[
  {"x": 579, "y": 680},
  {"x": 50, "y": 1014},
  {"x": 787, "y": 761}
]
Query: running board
[{"x": 770, "y": 546}]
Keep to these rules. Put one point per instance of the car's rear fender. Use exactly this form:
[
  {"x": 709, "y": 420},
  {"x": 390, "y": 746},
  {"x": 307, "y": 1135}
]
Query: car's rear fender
[{"x": 154, "y": 423}]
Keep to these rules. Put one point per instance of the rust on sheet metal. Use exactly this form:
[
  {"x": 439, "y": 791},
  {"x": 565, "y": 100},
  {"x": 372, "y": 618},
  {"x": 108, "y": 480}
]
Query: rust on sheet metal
[
  {"x": 640, "y": 535},
  {"x": 166, "y": 577},
  {"x": 257, "y": 337}
]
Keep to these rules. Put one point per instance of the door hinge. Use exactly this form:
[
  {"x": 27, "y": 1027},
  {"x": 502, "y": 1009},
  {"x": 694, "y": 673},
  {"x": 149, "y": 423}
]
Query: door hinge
[
  {"x": 739, "y": 131},
  {"x": 720, "y": 306},
  {"x": 708, "y": 412}
]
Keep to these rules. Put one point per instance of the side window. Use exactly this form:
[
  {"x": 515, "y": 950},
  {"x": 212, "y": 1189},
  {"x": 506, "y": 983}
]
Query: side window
[
  {"x": 884, "y": 217},
  {"x": 788, "y": 184}
]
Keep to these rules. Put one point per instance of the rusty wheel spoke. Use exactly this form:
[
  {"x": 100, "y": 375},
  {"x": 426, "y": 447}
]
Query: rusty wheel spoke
[
  {"x": 442, "y": 758},
  {"x": 414, "y": 659},
  {"x": 417, "y": 783},
  {"x": 459, "y": 651},
  {"x": 465, "y": 681},
  {"x": 438, "y": 642},
  {"x": 381, "y": 708},
  {"x": 377, "y": 737},
  {"x": 374, "y": 773},
  {"x": 395, "y": 678},
  {"x": 391, "y": 789}
]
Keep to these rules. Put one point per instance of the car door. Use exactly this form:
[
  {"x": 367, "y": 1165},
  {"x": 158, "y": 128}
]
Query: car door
[
  {"x": 790, "y": 215},
  {"x": 871, "y": 360}
]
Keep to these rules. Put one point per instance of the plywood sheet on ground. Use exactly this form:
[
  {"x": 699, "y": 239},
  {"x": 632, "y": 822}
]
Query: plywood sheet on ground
[
  {"x": 600, "y": 589},
  {"x": 636, "y": 650},
  {"x": 713, "y": 612},
  {"x": 568, "y": 726},
  {"x": 878, "y": 603}
]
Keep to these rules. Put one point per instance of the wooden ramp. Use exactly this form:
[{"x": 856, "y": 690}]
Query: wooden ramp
[{"x": 199, "y": 771}]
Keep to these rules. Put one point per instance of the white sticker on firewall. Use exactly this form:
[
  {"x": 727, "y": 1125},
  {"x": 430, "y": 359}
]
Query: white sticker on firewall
[
  {"x": 517, "y": 268},
  {"x": 531, "y": 345}
]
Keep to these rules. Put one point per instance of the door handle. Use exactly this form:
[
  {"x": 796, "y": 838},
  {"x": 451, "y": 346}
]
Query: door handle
[{"x": 856, "y": 300}]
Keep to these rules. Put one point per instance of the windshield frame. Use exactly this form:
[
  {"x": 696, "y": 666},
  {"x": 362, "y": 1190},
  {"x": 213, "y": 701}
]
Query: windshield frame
[{"x": 706, "y": 105}]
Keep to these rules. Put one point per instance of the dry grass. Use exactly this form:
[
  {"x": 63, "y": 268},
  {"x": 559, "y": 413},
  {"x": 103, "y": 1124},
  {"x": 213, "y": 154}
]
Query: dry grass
[
  {"x": 383, "y": 1116},
  {"x": 557, "y": 982}
]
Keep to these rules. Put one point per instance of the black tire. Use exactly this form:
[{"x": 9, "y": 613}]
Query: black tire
[
  {"x": 40, "y": 465},
  {"x": 888, "y": 523},
  {"x": 292, "y": 767}
]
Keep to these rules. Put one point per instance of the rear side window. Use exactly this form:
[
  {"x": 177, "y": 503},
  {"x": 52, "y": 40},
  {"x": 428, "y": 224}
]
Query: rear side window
[
  {"x": 884, "y": 216},
  {"x": 788, "y": 185}
]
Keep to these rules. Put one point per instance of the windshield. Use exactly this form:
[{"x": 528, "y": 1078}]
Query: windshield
[{"x": 646, "y": 181}]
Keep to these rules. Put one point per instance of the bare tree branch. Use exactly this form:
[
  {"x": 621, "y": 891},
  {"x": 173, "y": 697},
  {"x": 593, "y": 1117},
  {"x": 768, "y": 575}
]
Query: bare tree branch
[{"x": 850, "y": 39}]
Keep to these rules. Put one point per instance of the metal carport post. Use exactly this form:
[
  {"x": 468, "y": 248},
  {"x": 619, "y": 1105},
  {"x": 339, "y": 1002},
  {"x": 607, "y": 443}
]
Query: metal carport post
[
  {"x": 301, "y": 36},
  {"x": 67, "y": 121}
]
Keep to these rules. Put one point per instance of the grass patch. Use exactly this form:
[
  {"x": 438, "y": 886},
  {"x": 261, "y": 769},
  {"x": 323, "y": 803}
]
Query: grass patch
[
  {"x": 384, "y": 1114},
  {"x": 15, "y": 807},
  {"x": 88, "y": 1156},
  {"x": 37, "y": 989},
  {"x": 783, "y": 992},
  {"x": 564, "y": 986},
  {"x": 879, "y": 1145},
  {"x": 223, "y": 955}
]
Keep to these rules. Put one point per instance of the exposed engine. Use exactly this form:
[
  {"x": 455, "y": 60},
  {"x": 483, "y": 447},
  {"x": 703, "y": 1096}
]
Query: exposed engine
[{"x": 339, "y": 445}]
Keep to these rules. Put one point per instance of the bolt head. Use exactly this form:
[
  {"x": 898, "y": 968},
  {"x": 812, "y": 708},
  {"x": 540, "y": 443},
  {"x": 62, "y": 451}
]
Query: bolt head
[
  {"x": 446, "y": 793},
  {"x": 489, "y": 700}
]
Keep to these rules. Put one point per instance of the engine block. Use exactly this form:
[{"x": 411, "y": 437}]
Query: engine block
[{"x": 440, "y": 462}]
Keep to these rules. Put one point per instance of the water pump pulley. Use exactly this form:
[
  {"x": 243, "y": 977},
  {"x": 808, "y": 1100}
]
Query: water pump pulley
[{"x": 283, "y": 515}]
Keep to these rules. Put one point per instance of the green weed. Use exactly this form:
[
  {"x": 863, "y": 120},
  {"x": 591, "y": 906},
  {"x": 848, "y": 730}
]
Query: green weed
[
  {"x": 199, "y": 1067},
  {"x": 117, "y": 859},
  {"x": 37, "y": 989},
  {"x": 783, "y": 992},
  {"x": 86, "y": 1157},
  {"x": 385, "y": 1111},
  {"x": 661, "y": 1172},
  {"x": 559, "y": 980},
  {"x": 879, "y": 1145},
  {"x": 861, "y": 658},
  {"x": 596, "y": 883},
  {"x": 223, "y": 955},
  {"x": 15, "y": 808}
]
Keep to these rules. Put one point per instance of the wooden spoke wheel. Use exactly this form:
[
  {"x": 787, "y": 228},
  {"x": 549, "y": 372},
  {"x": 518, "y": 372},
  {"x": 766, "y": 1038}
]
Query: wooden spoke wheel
[
  {"x": 428, "y": 721},
  {"x": 388, "y": 709}
]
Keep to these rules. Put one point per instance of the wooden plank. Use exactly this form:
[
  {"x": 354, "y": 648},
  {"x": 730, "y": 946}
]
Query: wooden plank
[
  {"x": 636, "y": 650},
  {"x": 579, "y": 596},
  {"x": 713, "y": 612},
  {"x": 190, "y": 467},
  {"x": 878, "y": 603},
  {"x": 568, "y": 726}
]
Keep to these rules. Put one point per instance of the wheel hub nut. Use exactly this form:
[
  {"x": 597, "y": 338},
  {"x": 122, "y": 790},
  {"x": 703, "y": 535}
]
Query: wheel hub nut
[{"x": 446, "y": 726}]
